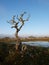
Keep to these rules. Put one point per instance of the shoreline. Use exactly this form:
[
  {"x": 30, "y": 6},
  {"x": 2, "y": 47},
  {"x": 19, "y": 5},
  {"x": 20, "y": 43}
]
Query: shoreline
[{"x": 24, "y": 39}]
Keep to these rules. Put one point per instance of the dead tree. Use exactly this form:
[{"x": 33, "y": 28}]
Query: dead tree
[{"x": 15, "y": 24}]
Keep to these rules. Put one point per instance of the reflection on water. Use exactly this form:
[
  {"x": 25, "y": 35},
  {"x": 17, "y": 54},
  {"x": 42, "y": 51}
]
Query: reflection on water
[{"x": 38, "y": 43}]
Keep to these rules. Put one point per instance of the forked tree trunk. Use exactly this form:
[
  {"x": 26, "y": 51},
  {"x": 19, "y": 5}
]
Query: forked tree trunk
[{"x": 18, "y": 43}]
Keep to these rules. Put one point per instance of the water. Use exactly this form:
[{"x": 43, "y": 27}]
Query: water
[{"x": 38, "y": 43}]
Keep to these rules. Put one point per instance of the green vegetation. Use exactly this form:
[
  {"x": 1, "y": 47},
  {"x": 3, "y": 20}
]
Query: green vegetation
[{"x": 34, "y": 55}]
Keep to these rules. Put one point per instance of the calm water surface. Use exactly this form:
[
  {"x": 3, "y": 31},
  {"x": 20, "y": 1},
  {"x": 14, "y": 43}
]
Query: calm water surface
[{"x": 38, "y": 43}]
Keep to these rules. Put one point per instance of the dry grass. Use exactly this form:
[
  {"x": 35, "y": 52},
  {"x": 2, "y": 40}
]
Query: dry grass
[{"x": 25, "y": 39}]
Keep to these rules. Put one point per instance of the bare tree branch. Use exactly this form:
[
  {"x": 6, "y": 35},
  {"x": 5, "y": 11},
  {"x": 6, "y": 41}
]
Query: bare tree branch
[
  {"x": 20, "y": 27},
  {"x": 23, "y": 14},
  {"x": 12, "y": 22},
  {"x": 27, "y": 18},
  {"x": 15, "y": 23},
  {"x": 18, "y": 18},
  {"x": 21, "y": 17}
]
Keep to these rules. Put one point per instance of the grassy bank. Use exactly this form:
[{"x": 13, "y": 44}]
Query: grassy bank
[
  {"x": 6, "y": 39},
  {"x": 34, "y": 55}
]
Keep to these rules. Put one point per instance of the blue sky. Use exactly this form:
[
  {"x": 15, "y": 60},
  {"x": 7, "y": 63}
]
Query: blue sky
[{"x": 38, "y": 23}]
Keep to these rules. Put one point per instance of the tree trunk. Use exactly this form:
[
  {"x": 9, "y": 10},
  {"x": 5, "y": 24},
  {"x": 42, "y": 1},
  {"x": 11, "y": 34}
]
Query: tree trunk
[
  {"x": 18, "y": 45},
  {"x": 16, "y": 34}
]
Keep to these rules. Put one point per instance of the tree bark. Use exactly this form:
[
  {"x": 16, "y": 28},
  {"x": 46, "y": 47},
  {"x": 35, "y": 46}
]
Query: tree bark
[
  {"x": 16, "y": 34},
  {"x": 18, "y": 45}
]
